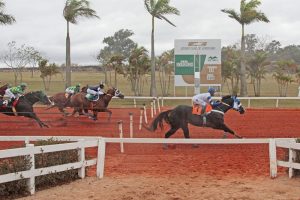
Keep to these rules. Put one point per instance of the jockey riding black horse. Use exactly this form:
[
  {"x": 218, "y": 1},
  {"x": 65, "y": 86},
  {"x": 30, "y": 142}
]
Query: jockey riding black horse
[
  {"x": 24, "y": 106},
  {"x": 181, "y": 116}
]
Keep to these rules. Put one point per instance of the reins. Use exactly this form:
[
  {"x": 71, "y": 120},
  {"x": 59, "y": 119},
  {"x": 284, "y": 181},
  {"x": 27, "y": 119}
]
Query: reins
[{"x": 221, "y": 110}]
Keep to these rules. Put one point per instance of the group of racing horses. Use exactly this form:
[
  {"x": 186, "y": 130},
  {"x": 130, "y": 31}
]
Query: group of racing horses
[
  {"x": 177, "y": 118},
  {"x": 80, "y": 104}
]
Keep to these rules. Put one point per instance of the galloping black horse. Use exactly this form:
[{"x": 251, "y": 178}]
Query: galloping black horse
[
  {"x": 180, "y": 116},
  {"x": 24, "y": 106}
]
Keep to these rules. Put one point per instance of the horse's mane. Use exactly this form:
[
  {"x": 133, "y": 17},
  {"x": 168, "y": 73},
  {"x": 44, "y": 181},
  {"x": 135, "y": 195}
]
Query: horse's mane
[{"x": 226, "y": 97}]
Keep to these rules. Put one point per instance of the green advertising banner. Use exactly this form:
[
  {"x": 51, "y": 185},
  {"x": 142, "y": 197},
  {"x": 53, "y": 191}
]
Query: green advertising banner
[{"x": 188, "y": 64}]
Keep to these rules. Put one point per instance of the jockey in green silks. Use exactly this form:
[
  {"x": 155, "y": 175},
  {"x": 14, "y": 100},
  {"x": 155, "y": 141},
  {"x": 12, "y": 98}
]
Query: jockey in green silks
[
  {"x": 71, "y": 91},
  {"x": 15, "y": 92}
]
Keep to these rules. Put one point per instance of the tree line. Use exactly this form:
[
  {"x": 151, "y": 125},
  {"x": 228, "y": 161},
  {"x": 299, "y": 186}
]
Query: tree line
[{"x": 251, "y": 60}]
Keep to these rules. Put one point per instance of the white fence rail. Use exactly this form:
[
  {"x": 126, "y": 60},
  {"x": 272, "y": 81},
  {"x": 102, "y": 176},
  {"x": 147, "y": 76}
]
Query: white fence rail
[
  {"x": 84, "y": 142},
  {"x": 249, "y": 99}
]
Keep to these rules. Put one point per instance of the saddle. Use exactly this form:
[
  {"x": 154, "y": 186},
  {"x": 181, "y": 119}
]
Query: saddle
[{"x": 199, "y": 110}]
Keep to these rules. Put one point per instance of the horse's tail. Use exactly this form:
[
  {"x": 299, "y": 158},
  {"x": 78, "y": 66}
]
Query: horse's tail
[{"x": 163, "y": 116}]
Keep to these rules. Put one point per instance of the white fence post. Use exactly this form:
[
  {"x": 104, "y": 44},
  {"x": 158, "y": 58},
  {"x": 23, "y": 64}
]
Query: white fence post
[
  {"x": 134, "y": 102},
  {"x": 154, "y": 105},
  {"x": 120, "y": 123},
  {"x": 277, "y": 103},
  {"x": 151, "y": 103},
  {"x": 273, "y": 158},
  {"x": 26, "y": 140},
  {"x": 101, "y": 157},
  {"x": 31, "y": 180},
  {"x": 158, "y": 104},
  {"x": 292, "y": 157},
  {"x": 141, "y": 118},
  {"x": 249, "y": 104},
  {"x": 81, "y": 159},
  {"x": 131, "y": 124},
  {"x": 145, "y": 114}
]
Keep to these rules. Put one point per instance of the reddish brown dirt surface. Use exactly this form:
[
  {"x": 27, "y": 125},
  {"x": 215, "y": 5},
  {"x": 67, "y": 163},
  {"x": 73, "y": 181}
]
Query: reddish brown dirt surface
[
  {"x": 243, "y": 160},
  {"x": 151, "y": 160}
]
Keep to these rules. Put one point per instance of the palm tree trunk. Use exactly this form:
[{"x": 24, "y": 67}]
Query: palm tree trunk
[
  {"x": 153, "y": 82},
  {"x": 68, "y": 58},
  {"x": 116, "y": 83},
  {"x": 243, "y": 89}
]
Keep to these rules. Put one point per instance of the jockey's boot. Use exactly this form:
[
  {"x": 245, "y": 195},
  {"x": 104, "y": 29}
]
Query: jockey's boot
[
  {"x": 203, "y": 109},
  {"x": 11, "y": 104},
  {"x": 203, "y": 114}
]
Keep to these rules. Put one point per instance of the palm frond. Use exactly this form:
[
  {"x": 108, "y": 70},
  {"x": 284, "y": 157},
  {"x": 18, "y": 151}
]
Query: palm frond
[{"x": 232, "y": 14}]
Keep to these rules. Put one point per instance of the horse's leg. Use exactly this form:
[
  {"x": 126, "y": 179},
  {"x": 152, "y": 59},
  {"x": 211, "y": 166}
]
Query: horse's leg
[
  {"x": 61, "y": 109},
  {"x": 94, "y": 116},
  {"x": 33, "y": 116},
  {"x": 109, "y": 114},
  {"x": 185, "y": 129},
  {"x": 168, "y": 134},
  {"x": 228, "y": 130},
  {"x": 186, "y": 132}
]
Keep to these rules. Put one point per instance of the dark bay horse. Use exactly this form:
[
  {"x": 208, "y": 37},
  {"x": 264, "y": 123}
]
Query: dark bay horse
[
  {"x": 81, "y": 103},
  {"x": 24, "y": 106},
  {"x": 181, "y": 116},
  {"x": 60, "y": 101}
]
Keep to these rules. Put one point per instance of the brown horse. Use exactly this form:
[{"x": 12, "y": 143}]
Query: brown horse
[
  {"x": 60, "y": 100},
  {"x": 81, "y": 103}
]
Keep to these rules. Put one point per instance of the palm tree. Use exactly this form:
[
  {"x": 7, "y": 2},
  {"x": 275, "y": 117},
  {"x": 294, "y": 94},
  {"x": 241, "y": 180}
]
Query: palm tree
[
  {"x": 72, "y": 11},
  {"x": 257, "y": 70},
  {"x": 5, "y": 18},
  {"x": 139, "y": 63},
  {"x": 157, "y": 9},
  {"x": 248, "y": 14}
]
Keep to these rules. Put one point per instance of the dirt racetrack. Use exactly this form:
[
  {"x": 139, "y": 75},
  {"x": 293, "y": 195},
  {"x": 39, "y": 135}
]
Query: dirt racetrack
[{"x": 181, "y": 167}]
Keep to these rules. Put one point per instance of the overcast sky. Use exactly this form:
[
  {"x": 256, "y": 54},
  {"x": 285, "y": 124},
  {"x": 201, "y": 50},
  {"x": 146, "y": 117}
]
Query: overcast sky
[{"x": 40, "y": 24}]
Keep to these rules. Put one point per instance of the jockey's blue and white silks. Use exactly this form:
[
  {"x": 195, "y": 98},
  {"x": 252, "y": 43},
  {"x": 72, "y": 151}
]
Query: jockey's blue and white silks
[{"x": 202, "y": 99}]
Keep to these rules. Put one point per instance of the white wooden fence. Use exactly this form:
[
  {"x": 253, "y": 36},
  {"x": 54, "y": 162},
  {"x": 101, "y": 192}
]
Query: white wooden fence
[
  {"x": 84, "y": 142},
  {"x": 291, "y": 164},
  {"x": 31, "y": 150}
]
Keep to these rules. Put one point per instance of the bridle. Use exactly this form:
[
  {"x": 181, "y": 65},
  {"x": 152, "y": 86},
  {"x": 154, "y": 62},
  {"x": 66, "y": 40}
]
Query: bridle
[{"x": 221, "y": 110}]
